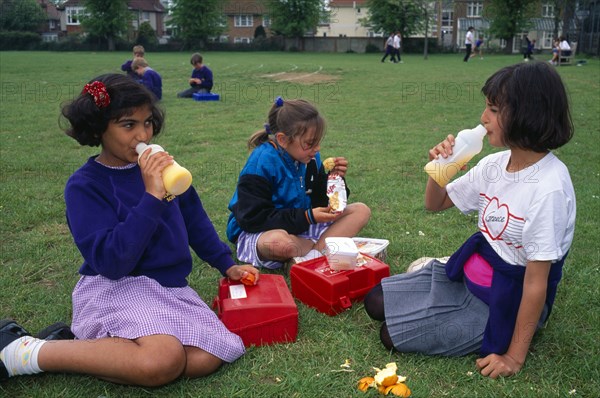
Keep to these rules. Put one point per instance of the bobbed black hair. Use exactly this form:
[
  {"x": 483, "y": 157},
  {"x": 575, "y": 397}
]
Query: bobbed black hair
[
  {"x": 88, "y": 121},
  {"x": 533, "y": 106}
]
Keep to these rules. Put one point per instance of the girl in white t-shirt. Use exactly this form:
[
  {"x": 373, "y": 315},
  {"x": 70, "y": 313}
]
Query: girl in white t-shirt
[{"x": 498, "y": 288}]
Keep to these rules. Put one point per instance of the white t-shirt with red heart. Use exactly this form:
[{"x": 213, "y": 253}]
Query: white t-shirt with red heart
[{"x": 526, "y": 216}]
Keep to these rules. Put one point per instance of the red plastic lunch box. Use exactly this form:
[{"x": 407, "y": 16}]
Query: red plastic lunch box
[
  {"x": 261, "y": 314},
  {"x": 315, "y": 284}
]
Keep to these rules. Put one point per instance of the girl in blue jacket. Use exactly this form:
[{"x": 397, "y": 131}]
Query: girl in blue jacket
[{"x": 280, "y": 208}]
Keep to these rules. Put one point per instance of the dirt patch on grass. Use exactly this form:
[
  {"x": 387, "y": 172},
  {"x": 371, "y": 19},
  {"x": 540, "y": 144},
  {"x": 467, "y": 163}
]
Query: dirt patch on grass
[{"x": 302, "y": 78}]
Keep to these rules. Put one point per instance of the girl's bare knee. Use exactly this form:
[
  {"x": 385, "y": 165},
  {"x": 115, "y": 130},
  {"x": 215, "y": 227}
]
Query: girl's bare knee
[
  {"x": 278, "y": 244},
  {"x": 201, "y": 363},
  {"x": 362, "y": 212},
  {"x": 161, "y": 369}
]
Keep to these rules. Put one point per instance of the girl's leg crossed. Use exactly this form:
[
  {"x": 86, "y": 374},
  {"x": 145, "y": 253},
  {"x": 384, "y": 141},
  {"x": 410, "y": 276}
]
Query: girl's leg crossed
[
  {"x": 348, "y": 224},
  {"x": 148, "y": 361},
  {"x": 278, "y": 245}
]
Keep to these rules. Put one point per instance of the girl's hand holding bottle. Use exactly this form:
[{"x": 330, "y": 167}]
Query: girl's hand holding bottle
[
  {"x": 443, "y": 149},
  {"x": 152, "y": 167}
]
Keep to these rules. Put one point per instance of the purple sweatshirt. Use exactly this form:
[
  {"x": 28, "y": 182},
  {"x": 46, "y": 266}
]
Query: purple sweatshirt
[{"x": 121, "y": 230}]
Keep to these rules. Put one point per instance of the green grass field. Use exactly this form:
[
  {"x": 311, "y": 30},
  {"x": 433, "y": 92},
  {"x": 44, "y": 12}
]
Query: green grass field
[{"x": 383, "y": 118}]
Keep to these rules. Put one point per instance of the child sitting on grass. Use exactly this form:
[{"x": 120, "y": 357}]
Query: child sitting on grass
[
  {"x": 201, "y": 80},
  {"x": 138, "y": 52},
  {"x": 136, "y": 319},
  {"x": 280, "y": 208},
  {"x": 498, "y": 289},
  {"x": 148, "y": 76}
]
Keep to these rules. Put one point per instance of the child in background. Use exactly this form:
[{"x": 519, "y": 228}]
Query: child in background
[
  {"x": 499, "y": 287},
  {"x": 478, "y": 48},
  {"x": 280, "y": 208},
  {"x": 468, "y": 43},
  {"x": 138, "y": 52},
  {"x": 529, "y": 49},
  {"x": 148, "y": 76},
  {"x": 201, "y": 80},
  {"x": 556, "y": 51},
  {"x": 136, "y": 319},
  {"x": 389, "y": 49}
]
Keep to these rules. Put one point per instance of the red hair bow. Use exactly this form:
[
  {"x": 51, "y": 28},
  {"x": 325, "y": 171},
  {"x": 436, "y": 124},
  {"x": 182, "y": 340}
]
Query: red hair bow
[{"x": 98, "y": 91}]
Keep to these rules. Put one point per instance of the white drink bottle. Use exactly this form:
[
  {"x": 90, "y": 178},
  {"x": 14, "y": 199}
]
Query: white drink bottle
[
  {"x": 177, "y": 179},
  {"x": 468, "y": 143}
]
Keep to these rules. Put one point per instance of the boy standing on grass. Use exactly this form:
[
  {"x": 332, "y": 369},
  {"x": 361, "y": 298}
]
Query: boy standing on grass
[
  {"x": 468, "y": 43},
  {"x": 529, "y": 49},
  {"x": 201, "y": 80}
]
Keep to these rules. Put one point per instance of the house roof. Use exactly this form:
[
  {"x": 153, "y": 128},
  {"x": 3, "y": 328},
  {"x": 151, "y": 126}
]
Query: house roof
[
  {"x": 477, "y": 23},
  {"x": 544, "y": 24},
  {"x": 72, "y": 3},
  {"x": 146, "y": 5},
  {"x": 539, "y": 24},
  {"x": 253, "y": 7},
  {"x": 347, "y": 3},
  {"x": 142, "y": 5},
  {"x": 49, "y": 9}
]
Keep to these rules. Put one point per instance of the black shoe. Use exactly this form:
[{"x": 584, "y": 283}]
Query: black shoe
[
  {"x": 56, "y": 331},
  {"x": 9, "y": 332}
]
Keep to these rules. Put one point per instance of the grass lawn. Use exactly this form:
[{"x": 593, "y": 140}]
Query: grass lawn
[{"x": 383, "y": 118}]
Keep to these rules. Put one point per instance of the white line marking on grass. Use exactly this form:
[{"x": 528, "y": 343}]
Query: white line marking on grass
[
  {"x": 301, "y": 76},
  {"x": 274, "y": 74}
]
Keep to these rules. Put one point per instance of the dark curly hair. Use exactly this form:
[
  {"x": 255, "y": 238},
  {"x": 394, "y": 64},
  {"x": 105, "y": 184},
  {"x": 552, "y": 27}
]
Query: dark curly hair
[
  {"x": 87, "y": 122},
  {"x": 533, "y": 106}
]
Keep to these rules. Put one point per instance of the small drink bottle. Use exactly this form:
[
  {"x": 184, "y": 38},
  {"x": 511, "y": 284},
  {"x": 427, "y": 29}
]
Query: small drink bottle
[
  {"x": 176, "y": 178},
  {"x": 468, "y": 143}
]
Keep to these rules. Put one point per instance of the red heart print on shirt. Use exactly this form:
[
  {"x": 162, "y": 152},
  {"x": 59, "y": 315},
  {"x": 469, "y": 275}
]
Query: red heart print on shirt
[{"x": 495, "y": 218}]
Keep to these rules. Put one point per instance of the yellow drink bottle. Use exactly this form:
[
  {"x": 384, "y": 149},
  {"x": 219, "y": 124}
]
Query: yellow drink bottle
[
  {"x": 177, "y": 179},
  {"x": 468, "y": 143}
]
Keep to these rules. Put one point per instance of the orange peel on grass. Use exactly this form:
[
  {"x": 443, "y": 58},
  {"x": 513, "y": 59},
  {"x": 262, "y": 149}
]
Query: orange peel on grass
[
  {"x": 386, "y": 381},
  {"x": 399, "y": 390},
  {"x": 387, "y": 376},
  {"x": 365, "y": 383}
]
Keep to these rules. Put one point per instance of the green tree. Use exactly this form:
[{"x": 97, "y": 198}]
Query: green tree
[
  {"x": 195, "y": 21},
  {"x": 21, "y": 15},
  {"x": 106, "y": 19},
  {"x": 146, "y": 35},
  {"x": 259, "y": 32},
  {"x": 509, "y": 18},
  {"x": 406, "y": 16},
  {"x": 293, "y": 18},
  {"x": 564, "y": 11}
]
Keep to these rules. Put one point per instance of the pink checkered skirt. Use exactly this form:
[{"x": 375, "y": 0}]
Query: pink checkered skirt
[{"x": 138, "y": 306}]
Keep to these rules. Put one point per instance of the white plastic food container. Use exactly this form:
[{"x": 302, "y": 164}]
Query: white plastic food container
[
  {"x": 341, "y": 253},
  {"x": 373, "y": 247}
]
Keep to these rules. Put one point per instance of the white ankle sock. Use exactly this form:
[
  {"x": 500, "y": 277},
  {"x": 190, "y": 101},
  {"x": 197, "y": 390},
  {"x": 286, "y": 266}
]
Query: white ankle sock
[{"x": 21, "y": 356}]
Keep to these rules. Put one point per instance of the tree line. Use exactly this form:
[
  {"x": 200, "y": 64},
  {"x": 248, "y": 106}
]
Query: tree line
[{"x": 196, "y": 21}]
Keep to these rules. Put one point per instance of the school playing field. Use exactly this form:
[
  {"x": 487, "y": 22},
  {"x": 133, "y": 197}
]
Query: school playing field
[{"x": 383, "y": 118}]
